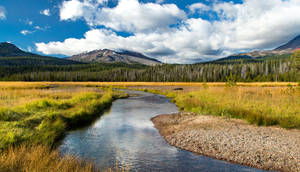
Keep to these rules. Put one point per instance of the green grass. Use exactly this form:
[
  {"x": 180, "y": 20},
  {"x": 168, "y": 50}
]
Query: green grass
[
  {"x": 44, "y": 121},
  {"x": 261, "y": 107},
  {"x": 257, "y": 105}
]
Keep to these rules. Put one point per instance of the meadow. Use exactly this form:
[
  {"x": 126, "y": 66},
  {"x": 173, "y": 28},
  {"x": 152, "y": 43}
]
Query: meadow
[
  {"x": 34, "y": 116},
  {"x": 259, "y": 103}
]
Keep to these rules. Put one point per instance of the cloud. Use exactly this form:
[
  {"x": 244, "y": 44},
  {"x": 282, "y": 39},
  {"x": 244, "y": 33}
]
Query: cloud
[
  {"x": 160, "y": 1},
  {"x": 128, "y": 15},
  {"x": 29, "y": 22},
  {"x": 26, "y": 32},
  {"x": 45, "y": 12},
  {"x": 178, "y": 45},
  {"x": 2, "y": 13},
  {"x": 72, "y": 10},
  {"x": 29, "y": 49},
  {"x": 257, "y": 24},
  {"x": 41, "y": 28},
  {"x": 102, "y": 1},
  {"x": 254, "y": 24},
  {"x": 199, "y": 7}
]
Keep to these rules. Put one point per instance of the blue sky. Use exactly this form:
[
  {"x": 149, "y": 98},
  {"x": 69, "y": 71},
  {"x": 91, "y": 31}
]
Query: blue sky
[{"x": 174, "y": 31}]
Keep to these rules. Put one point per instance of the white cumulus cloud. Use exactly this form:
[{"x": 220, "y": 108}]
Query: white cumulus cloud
[
  {"x": 45, "y": 12},
  {"x": 2, "y": 13},
  {"x": 254, "y": 24},
  {"x": 71, "y": 10},
  {"x": 128, "y": 15},
  {"x": 199, "y": 7},
  {"x": 258, "y": 24},
  {"x": 26, "y": 32}
]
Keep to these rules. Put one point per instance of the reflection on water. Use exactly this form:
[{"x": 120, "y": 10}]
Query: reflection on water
[{"x": 126, "y": 136}]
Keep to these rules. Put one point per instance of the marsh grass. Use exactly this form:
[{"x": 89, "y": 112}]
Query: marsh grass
[
  {"x": 260, "y": 106},
  {"x": 35, "y": 116},
  {"x": 37, "y": 158},
  {"x": 42, "y": 116}
]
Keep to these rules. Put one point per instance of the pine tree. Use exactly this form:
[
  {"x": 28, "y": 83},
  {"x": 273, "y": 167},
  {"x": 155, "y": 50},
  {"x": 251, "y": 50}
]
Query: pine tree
[{"x": 296, "y": 64}]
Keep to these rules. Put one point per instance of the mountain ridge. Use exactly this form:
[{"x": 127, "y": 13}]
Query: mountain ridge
[
  {"x": 11, "y": 55},
  {"x": 292, "y": 44},
  {"x": 287, "y": 48},
  {"x": 8, "y": 49},
  {"x": 110, "y": 56}
]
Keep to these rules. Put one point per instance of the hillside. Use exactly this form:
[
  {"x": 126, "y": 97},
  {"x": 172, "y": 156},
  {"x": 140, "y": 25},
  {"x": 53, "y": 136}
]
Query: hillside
[
  {"x": 293, "y": 44},
  {"x": 110, "y": 56},
  {"x": 10, "y": 50},
  {"x": 254, "y": 56},
  {"x": 10, "y": 55}
]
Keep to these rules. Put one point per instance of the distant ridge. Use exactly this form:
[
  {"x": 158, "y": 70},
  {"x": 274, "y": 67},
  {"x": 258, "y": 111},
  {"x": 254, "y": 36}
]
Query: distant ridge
[
  {"x": 293, "y": 44},
  {"x": 287, "y": 48},
  {"x": 110, "y": 56},
  {"x": 11, "y": 55},
  {"x": 10, "y": 50}
]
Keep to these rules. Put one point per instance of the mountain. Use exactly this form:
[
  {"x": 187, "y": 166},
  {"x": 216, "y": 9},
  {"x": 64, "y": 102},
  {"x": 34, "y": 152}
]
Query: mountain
[
  {"x": 293, "y": 44},
  {"x": 110, "y": 56},
  {"x": 11, "y": 55},
  {"x": 256, "y": 55},
  {"x": 10, "y": 50},
  {"x": 279, "y": 52}
]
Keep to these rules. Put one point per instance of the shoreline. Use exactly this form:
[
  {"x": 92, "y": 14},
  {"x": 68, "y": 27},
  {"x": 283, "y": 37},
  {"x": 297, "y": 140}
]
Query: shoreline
[{"x": 232, "y": 140}]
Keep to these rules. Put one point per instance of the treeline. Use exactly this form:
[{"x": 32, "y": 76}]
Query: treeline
[{"x": 244, "y": 71}]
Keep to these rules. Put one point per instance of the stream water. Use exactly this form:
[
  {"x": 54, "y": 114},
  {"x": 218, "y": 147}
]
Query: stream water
[{"x": 125, "y": 137}]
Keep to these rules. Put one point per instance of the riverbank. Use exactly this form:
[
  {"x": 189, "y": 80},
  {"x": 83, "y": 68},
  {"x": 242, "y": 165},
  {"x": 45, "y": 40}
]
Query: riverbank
[
  {"x": 234, "y": 140},
  {"x": 35, "y": 117}
]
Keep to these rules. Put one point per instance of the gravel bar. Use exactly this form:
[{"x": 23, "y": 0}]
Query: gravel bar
[{"x": 233, "y": 140}]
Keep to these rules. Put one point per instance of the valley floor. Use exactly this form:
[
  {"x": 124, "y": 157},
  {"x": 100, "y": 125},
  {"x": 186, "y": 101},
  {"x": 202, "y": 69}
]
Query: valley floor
[
  {"x": 41, "y": 112},
  {"x": 234, "y": 140}
]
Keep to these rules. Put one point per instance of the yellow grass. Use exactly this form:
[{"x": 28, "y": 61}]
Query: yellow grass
[
  {"x": 265, "y": 103},
  {"x": 259, "y": 105},
  {"x": 40, "y": 159},
  {"x": 7, "y": 85},
  {"x": 34, "y": 116}
]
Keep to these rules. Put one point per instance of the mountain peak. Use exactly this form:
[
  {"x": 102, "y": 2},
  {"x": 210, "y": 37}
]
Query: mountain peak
[
  {"x": 7, "y": 49},
  {"x": 110, "y": 56},
  {"x": 293, "y": 44}
]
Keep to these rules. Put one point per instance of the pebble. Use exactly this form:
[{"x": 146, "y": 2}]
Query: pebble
[{"x": 269, "y": 148}]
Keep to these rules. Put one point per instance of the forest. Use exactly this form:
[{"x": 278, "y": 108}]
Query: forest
[{"x": 266, "y": 69}]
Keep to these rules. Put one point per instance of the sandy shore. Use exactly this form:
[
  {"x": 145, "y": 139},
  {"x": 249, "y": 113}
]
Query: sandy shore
[{"x": 269, "y": 148}]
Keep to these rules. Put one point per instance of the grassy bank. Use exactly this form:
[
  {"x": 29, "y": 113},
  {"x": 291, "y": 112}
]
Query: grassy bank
[
  {"x": 258, "y": 105},
  {"x": 40, "y": 158},
  {"x": 33, "y": 117},
  {"x": 43, "y": 116}
]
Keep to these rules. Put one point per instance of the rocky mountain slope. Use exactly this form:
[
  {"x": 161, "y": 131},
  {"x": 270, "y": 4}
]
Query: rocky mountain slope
[
  {"x": 287, "y": 48},
  {"x": 293, "y": 44},
  {"x": 110, "y": 56}
]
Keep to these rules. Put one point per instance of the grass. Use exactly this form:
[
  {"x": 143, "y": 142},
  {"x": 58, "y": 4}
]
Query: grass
[
  {"x": 34, "y": 116},
  {"x": 40, "y": 158},
  {"x": 16, "y": 85},
  {"x": 43, "y": 116},
  {"x": 45, "y": 120},
  {"x": 268, "y": 106},
  {"x": 260, "y": 105}
]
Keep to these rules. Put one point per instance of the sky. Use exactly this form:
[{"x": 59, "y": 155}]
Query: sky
[{"x": 172, "y": 31}]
